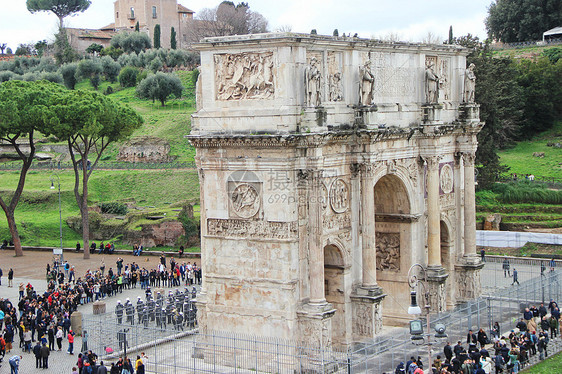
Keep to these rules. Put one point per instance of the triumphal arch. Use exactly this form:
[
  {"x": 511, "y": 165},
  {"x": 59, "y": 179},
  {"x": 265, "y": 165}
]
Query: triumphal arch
[{"x": 328, "y": 166}]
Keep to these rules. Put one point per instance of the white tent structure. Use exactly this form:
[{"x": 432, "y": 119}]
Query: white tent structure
[{"x": 552, "y": 33}]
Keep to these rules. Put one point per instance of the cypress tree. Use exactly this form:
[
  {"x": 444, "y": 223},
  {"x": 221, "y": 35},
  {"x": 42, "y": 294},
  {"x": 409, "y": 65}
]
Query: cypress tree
[
  {"x": 137, "y": 27},
  {"x": 157, "y": 36},
  {"x": 173, "y": 41}
]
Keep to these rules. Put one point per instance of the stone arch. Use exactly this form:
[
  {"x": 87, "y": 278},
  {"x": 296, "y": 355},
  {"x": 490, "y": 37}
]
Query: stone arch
[
  {"x": 447, "y": 258},
  {"x": 335, "y": 291},
  {"x": 393, "y": 238}
]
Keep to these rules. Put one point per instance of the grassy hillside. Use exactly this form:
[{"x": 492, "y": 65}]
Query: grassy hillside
[
  {"x": 524, "y": 52},
  {"x": 37, "y": 213},
  {"x": 521, "y": 161}
]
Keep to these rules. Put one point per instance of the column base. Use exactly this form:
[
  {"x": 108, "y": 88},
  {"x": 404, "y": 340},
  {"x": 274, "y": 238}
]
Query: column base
[
  {"x": 315, "y": 324},
  {"x": 367, "y": 312},
  {"x": 468, "y": 284},
  {"x": 436, "y": 279}
]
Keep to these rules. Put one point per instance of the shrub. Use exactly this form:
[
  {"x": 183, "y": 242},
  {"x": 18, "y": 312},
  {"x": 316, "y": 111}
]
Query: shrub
[
  {"x": 114, "y": 208},
  {"x": 54, "y": 77},
  {"x": 108, "y": 90},
  {"x": 110, "y": 68},
  {"x": 142, "y": 75},
  {"x": 160, "y": 87},
  {"x": 90, "y": 69},
  {"x": 156, "y": 64},
  {"x": 128, "y": 76},
  {"x": 68, "y": 72},
  {"x": 30, "y": 77},
  {"x": 7, "y": 75},
  {"x": 131, "y": 41}
]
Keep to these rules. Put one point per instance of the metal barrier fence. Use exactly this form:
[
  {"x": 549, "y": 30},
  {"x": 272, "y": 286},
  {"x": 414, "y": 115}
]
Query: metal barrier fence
[
  {"x": 220, "y": 352},
  {"x": 102, "y": 165}
]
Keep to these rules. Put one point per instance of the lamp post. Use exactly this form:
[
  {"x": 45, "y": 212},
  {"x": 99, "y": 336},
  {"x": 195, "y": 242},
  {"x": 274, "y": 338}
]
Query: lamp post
[
  {"x": 415, "y": 326},
  {"x": 52, "y": 179}
]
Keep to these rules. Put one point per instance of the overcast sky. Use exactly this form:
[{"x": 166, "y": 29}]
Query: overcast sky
[{"x": 411, "y": 20}]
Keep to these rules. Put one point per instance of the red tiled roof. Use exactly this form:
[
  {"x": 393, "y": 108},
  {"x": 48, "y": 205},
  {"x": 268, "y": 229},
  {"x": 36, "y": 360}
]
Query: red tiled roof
[
  {"x": 182, "y": 9},
  {"x": 110, "y": 27}
]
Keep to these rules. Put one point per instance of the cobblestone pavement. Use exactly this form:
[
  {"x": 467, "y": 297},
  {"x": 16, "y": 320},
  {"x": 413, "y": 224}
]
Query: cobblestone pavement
[{"x": 31, "y": 268}]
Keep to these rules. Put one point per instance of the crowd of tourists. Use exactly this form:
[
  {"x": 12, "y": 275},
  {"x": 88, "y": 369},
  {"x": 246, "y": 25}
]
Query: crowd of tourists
[
  {"x": 42, "y": 320},
  {"x": 504, "y": 353}
]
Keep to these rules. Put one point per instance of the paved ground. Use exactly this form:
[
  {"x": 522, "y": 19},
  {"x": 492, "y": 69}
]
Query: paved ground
[{"x": 31, "y": 268}]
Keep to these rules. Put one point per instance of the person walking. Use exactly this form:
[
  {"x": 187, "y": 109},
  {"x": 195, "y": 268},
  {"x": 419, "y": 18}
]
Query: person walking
[
  {"x": 1, "y": 280},
  {"x": 59, "y": 336},
  {"x": 552, "y": 265},
  {"x": 14, "y": 364},
  {"x": 505, "y": 267},
  {"x": 11, "y": 278},
  {"x": 515, "y": 280}
]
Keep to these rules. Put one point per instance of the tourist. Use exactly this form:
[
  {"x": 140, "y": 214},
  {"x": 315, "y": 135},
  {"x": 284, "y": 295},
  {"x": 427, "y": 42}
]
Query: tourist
[
  {"x": 14, "y": 364},
  {"x": 70, "y": 338},
  {"x": 505, "y": 267},
  {"x": 515, "y": 279},
  {"x": 552, "y": 264},
  {"x": 45, "y": 352},
  {"x": 11, "y": 279},
  {"x": 37, "y": 353},
  {"x": 483, "y": 255}
]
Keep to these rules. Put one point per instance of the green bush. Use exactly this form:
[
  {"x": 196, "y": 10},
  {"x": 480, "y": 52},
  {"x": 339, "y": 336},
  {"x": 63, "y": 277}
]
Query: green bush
[
  {"x": 68, "y": 72},
  {"x": 7, "y": 75},
  {"x": 110, "y": 68},
  {"x": 526, "y": 192},
  {"x": 114, "y": 208},
  {"x": 52, "y": 77},
  {"x": 128, "y": 76}
]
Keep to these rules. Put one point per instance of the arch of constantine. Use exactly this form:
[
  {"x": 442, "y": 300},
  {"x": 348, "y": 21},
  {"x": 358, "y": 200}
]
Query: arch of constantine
[{"x": 328, "y": 166}]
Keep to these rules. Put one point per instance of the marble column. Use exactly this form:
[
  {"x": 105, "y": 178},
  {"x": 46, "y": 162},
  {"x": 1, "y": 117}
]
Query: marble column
[
  {"x": 316, "y": 252},
  {"x": 433, "y": 215},
  {"x": 369, "y": 255},
  {"x": 469, "y": 206}
]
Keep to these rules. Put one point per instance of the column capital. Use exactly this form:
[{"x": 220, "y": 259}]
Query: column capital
[
  {"x": 468, "y": 158},
  {"x": 432, "y": 162}
]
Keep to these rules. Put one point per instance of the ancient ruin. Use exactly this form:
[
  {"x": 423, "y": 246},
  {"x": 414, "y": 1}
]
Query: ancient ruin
[{"x": 328, "y": 166}]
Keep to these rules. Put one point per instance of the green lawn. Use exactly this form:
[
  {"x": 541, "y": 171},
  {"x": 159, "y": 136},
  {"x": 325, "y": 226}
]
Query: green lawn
[
  {"x": 551, "y": 365},
  {"x": 155, "y": 191},
  {"x": 520, "y": 158}
]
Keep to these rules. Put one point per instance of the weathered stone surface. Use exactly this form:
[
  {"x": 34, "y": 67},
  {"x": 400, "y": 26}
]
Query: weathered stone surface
[
  {"x": 328, "y": 184},
  {"x": 492, "y": 222},
  {"x": 145, "y": 149},
  {"x": 154, "y": 235}
]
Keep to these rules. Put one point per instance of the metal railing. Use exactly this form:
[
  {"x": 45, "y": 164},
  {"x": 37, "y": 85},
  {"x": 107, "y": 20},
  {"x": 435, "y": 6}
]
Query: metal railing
[{"x": 216, "y": 352}]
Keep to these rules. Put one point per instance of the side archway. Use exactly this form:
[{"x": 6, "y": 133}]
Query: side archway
[{"x": 335, "y": 292}]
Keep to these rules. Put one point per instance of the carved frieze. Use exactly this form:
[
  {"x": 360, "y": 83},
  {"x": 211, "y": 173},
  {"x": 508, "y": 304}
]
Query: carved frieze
[
  {"x": 339, "y": 196},
  {"x": 333, "y": 221},
  {"x": 335, "y": 84},
  {"x": 388, "y": 251},
  {"x": 241, "y": 76},
  {"x": 444, "y": 78},
  {"x": 392, "y": 78},
  {"x": 250, "y": 229}
]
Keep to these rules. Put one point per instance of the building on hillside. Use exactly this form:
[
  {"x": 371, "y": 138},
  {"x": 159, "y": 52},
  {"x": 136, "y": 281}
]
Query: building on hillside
[
  {"x": 552, "y": 34},
  {"x": 148, "y": 14}
]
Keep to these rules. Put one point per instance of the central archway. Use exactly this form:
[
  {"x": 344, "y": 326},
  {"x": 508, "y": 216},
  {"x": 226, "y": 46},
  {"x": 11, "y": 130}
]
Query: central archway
[{"x": 393, "y": 239}]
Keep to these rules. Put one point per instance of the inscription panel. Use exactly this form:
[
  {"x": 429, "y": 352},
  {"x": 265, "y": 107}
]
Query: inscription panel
[{"x": 240, "y": 228}]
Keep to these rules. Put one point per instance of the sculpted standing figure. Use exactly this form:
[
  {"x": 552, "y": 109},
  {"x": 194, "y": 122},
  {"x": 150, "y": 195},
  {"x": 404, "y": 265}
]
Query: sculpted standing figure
[
  {"x": 469, "y": 84},
  {"x": 366, "y": 84},
  {"x": 312, "y": 81},
  {"x": 431, "y": 84}
]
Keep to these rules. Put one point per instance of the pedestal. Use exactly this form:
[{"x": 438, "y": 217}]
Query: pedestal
[
  {"x": 436, "y": 282},
  {"x": 432, "y": 114},
  {"x": 313, "y": 119},
  {"x": 315, "y": 324},
  {"x": 76, "y": 323},
  {"x": 469, "y": 112},
  {"x": 468, "y": 278},
  {"x": 365, "y": 116},
  {"x": 367, "y": 312},
  {"x": 98, "y": 307}
]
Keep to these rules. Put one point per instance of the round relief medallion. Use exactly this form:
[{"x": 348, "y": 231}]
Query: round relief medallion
[
  {"x": 446, "y": 178},
  {"x": 339, "y": 196},
  {"x": 245, "y": 200}
]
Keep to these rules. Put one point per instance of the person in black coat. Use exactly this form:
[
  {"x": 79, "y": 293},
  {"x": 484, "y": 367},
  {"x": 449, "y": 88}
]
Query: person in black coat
[
  {"x": 448, "y": 351},
  {"x": 471, "y": 338},
  {"x": 37, "y": 353}
]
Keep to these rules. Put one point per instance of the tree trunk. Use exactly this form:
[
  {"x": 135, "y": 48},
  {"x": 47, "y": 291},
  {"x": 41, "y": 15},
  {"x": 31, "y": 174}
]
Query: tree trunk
[
  {"x": 14, "y": 233},
  {"x": 84, "y": 210}
]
